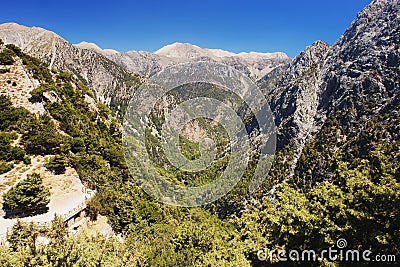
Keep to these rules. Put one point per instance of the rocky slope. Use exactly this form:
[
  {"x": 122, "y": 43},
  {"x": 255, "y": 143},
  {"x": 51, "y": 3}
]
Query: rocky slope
[
  {"x": 293, "y": 92},
  {"x": 359, "y": 102},
  {"x": 355, "y": 80},
  {"x": 42, "y": 112},
  {"x": 364, "y": 62},
  {"x": 110, "y": 82},
  {"x": 339, "y": 91},
  {"x": 113, "y": 75}
]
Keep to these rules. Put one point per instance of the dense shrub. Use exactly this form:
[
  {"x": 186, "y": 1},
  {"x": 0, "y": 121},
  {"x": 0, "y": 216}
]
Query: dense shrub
[
  {"x": 5, "y": 167},
  {"x": 77, "y": 144},
  {"x": 8, "y": 152},
  {"x": 28, "y": 196},
  {"x": 27, "y": 160},
  {"x": 11, "y": 117},
  {"x": 42, "y": 137},
  {"x": 57, "y": 164},
  {"x": 38, "y": 69},
  {"x": 7, "y": 57}
]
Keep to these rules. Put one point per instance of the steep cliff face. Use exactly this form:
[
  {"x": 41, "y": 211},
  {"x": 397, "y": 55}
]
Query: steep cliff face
[
  {"x": 293, "y": 92},
  {"x": 111, "y": 83},
  {"x": 364, "y": 62},
  {"x": 349, "y": 85},
  {"x": 358, "y": 110}
]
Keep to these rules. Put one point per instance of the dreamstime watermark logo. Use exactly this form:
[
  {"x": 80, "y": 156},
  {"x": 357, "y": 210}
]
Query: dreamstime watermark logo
[
  {"x": 143, "y": 105},
  {"x": 338, "y": 253}
]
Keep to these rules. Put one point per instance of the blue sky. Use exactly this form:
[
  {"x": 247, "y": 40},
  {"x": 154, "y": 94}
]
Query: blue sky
[{"x": 252, "y": 25}]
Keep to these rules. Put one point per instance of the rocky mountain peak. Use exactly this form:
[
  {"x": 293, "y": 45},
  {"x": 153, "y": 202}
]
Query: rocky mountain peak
[
  {"x": 181, "y": 50},
  {"x": 30, "y": 39},
  {"x": 190, "y": 51},
  {"x": 317, "y": 48},
  {"x": 366, "y": 57},
  {"x": 311, "y": 57},
  {"x": 95, "y": 47},
  {"x": 109, "y": 81},
  {"x": 358, "y": 73},
  {"x": 294, "y": 91},
  {"x": 254, "y": 64},
  {"x": 87, "y": 45}
]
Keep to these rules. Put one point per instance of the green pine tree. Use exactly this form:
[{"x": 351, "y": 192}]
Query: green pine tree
[{"x": 29, "y": 195}]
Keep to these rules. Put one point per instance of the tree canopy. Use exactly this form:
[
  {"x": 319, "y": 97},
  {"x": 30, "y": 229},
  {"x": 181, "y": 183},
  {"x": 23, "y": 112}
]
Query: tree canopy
[{"x": 28, "y": 196}]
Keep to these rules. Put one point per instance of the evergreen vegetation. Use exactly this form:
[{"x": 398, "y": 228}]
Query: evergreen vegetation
[
  {"x": 339, "y": 190},
  {"x": 27, "y": 197},
  {"x": 7, "y": 57},
  {"x": 57, "y": 164}
]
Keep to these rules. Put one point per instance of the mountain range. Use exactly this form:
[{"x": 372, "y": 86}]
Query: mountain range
[
  {"x": 113, "y": 75},
  {"x": 254, "y": 64},
  {"x": 337, "y": 114},
  {"x": 361, "y": 69}
]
